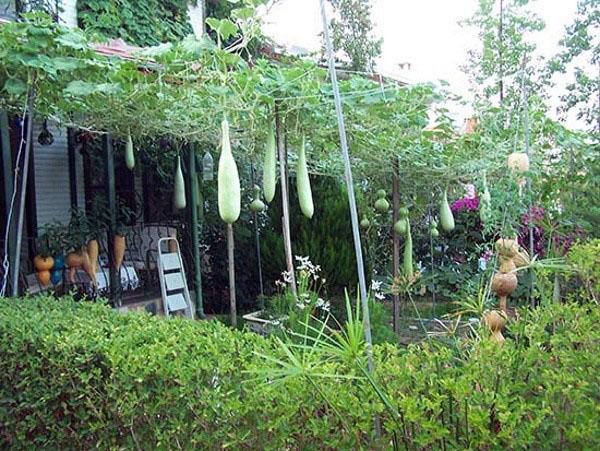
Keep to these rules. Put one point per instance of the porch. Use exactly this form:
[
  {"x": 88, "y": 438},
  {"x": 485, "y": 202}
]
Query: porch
[{"x": 71, "y": 174}]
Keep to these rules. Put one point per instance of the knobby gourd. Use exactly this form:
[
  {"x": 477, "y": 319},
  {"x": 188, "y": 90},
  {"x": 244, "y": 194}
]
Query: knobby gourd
[
  {"x": 270, "y": 166},
  {"x": 257, "y": 205},
  {"x": 401, "y": 226},
  {"x": 129, "y": 156},
  {"x": 303, "y": 183},
  {"x": 179, "y": 190},
  {"x": 381, "y": 204},
  {"x": 228, "y": 180},
  {"x": 446, "y": 217},
  {"x": 365, "y": 223}
]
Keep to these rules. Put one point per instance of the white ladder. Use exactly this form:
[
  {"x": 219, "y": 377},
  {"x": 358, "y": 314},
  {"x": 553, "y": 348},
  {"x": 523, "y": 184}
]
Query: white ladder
[{"x": 173, "y": 284}]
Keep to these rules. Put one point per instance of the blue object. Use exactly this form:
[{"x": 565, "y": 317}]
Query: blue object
[
  {"x": 56, "y": 276},
  {"x": 59, "y": 263}
]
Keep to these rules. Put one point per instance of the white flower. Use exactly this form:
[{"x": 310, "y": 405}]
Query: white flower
[
  {"x": 287, "y": 276},
  {"x": 379, "y": 295},
  {"x": 375, "y": 285},
  {"x": 300, "y": 305}
]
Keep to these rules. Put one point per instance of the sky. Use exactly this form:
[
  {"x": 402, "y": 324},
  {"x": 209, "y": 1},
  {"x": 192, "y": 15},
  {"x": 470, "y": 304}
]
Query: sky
[{"x": 424, "y": 33}]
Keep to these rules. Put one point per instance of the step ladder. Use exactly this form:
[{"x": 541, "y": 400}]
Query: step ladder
[{"x": 171, "y": 274}]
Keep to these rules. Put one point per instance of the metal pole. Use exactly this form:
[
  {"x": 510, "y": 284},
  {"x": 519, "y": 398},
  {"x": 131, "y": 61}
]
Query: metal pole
[
  {"x": 17, "y": 259},
  {"x": 116, "y": 291},
  {"x": 396, "y": 242},
  {"x": 350, "y": 186},
  {"x": 194, "y": 202}
]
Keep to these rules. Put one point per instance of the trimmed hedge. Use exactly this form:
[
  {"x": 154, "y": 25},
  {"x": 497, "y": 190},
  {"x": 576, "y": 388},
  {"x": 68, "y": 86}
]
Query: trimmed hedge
[{"x": 79, "y": 375}]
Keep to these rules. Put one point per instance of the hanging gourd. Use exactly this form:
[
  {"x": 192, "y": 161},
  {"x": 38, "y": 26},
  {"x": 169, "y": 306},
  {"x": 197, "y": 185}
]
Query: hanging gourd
[
  {"x": 207, "y": 167},
  {"x": 403, "y": 212},
  {"x": 365, "y": 223},
  {"x": 303, "y": 183},
  {"x": 446, "y": 217},
  {"x": 485, "y": 202},
  {"x": 518, "y": 161},
  {"x": 270, "y": 166},
  {"x": 401, "y": 226},
  {"x": 228, "y": 180},
  {"x": 129, "y": 155},
  {"x": 381, "y": 204},
  {"x": 257, "y": 205},
  {"x": 179, "y": 191},
  {"x": 433, "y": 230},
  {"x": 408, "y": 250}
]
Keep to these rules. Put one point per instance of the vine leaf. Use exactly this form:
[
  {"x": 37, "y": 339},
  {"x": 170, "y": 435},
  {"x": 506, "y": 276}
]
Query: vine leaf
[
  {"x": 225, "y": 28},
  {"x": 15, "y": 87}
]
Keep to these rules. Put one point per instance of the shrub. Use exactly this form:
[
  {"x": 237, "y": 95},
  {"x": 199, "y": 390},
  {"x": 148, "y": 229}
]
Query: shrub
[{"x": 79, "y": 375}]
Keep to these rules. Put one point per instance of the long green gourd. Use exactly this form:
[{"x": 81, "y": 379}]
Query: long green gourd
[
  {"x": 446, "y": 217},
  {"x": 303, "y": 183},
  {"x": 129, "y": 156},
  {"x": 270, "y": 166},
  {"x": 408, "y": 252},
  {"x": 179, "y": 191},
  {"x": 228, "y": 180}
]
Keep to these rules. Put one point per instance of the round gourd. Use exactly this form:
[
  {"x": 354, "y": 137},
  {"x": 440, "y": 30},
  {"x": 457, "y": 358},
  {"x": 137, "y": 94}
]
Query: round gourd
[
  {"x": 434, "y": 232},
  {"x": 434, "y": 224},
  {"x": 381, "y": 194},
  {"x": 270, "y": 166},
  {"x": 228, "y": 180},
  {"x": 518, "y": 161},
  {"x": 407, "y": 256},
  {"x": 179, "y": 190},
  {"x": 129, "y": 155},
  {"x": 446, "y": 217},
  {"x": 403, "y": 212},
  {"x": 257, "y": 205},
  {"x": 303, "y": 184},
  {"x": 401, "y": 226},
  {"x": 365, "y": 223}
]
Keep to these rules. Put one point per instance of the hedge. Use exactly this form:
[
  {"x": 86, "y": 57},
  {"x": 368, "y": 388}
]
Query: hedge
[{"x": 79, "y": 376}]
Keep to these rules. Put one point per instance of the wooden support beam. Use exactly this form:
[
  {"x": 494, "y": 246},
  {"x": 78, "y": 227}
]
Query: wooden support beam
[
  {"x": 8, "y": 186},
  {"x": 285, "y": 200},
  {"x": 116, "y": 291},
  {"x": 194, "y": 205}
]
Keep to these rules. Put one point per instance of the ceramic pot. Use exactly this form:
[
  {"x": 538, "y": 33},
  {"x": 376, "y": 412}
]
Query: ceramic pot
[
  {"x": 43, "y": 277},
  {"x": 43, "y": 263}
]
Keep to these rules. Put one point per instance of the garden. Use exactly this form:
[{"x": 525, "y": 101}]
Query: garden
[{"x": 364, "y": 272}]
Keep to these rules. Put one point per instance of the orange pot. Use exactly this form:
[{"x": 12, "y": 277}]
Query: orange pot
[
  {"x": 43, "y": 277},
  {"x": 43, "y": 263},
  {"x": 119, "y": 250},
  {"x": 74, "y": 259}
]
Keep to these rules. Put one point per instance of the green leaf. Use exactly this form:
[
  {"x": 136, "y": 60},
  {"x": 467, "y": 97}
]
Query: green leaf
[
  {"x": 67, "y": 63},
  {"x": 15, "y": 87},
  {"x": 225, "y": 28},
  {"x": 80, "y": 88}
]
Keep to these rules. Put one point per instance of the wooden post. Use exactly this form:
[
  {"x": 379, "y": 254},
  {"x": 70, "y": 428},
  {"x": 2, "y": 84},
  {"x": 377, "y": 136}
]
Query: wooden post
[
  {"x": 231, "y": 261},
  {"x": 193, "y": 205},
  {"x": 285, "y": 200},
  {"x": 72, "y": 167},
  {"x": 396, "y": 242},
  {"x": 116, "y": 291}
]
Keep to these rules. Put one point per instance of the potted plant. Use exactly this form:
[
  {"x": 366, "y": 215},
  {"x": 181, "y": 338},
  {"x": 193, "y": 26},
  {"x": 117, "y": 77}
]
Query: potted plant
[
  {"x": 77, "y": 238},
  {"x": 50, "y": 245}
]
